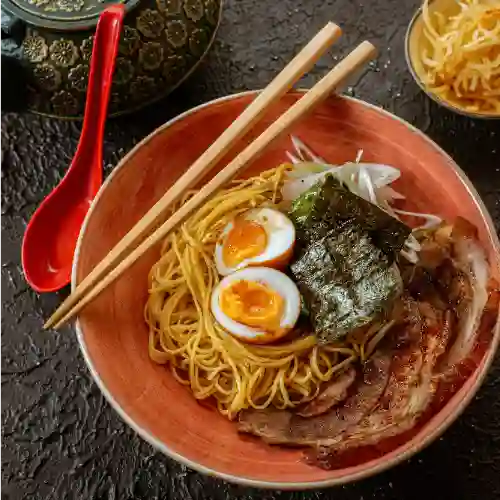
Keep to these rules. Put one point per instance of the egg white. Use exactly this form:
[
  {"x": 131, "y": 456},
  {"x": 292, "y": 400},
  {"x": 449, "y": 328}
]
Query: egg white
[
  {"x": 280, "y": 283},
  {"x": 280, "y": 233}
]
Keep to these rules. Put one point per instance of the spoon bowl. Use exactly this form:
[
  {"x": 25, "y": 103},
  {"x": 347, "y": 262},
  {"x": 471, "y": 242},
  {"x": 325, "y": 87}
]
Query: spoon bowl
[{"x": 50, "y": 238}]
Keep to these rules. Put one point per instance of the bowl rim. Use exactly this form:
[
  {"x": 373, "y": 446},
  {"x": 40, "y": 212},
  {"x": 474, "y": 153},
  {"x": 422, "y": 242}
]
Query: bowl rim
[
  {"x": 479, "y": 373},
  {"x": 409, "y": 62}
]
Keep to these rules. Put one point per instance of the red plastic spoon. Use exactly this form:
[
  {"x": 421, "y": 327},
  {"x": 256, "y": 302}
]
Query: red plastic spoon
[{"x": 50, "y": 238}]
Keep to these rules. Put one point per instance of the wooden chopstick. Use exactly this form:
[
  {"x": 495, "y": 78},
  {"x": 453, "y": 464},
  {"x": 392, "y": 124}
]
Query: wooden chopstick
[
  {"x": 299, "y": 65},
  {"x": 358, "y": 57}
]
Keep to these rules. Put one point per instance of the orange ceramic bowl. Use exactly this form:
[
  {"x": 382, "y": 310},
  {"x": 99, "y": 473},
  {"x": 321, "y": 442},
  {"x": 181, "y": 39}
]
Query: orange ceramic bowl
[{"x": 114, "y": 337}]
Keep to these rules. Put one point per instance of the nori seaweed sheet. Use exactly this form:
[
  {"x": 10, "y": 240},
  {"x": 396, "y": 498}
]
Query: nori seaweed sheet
[
  {"x": 346, "y": 250},
  {"x": 346, "y": 282},
  {"x": 329, "y": 204}
]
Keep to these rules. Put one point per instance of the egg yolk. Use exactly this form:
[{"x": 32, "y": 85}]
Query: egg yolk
[
  {"x": 245, "y": 240},
  {"x": 253, "y": 304}
]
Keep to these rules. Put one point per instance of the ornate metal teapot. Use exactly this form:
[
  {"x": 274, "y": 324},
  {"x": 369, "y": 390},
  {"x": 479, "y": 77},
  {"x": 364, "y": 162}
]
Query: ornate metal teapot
[{"x": 162, "y": 42}]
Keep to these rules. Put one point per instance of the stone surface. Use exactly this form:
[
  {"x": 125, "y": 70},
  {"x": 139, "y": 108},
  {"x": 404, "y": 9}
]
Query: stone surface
[{"x": 60, "y": 439}]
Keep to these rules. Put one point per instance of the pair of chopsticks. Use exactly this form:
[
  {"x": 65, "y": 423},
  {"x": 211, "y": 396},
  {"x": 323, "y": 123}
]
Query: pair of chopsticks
[{"x": 123, "y": 255}]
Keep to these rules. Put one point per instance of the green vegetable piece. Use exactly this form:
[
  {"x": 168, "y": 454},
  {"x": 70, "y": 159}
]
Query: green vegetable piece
[{"x": 328, "y": 204}]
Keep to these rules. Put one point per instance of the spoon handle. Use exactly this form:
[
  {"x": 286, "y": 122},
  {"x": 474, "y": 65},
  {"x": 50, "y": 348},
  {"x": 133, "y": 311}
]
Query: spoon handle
[{"x": 89, "y": 151}]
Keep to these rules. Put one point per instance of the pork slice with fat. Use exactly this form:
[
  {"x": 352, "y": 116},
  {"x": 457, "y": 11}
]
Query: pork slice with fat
[
  {"x": 332, "y": 394},
  {"x": 409, "y": 392},
  {"x": 284, "y": 427}
]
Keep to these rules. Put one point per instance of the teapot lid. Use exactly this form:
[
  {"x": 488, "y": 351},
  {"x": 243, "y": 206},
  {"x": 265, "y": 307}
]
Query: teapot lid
[{"x": 64, "y": 15}]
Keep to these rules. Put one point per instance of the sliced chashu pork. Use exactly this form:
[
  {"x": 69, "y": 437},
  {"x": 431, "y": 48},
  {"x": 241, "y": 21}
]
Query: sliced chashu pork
[
  {"x": 408, "y": 394},
  {"x": 331, "y": 395},
  {"x": 287, "y": 428}
]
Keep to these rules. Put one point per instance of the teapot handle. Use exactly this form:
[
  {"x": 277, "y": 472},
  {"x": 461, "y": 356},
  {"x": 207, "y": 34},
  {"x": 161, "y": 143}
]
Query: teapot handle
[
  {"x": 10, "y": 26},
  {"x": 15, "y": 79}
]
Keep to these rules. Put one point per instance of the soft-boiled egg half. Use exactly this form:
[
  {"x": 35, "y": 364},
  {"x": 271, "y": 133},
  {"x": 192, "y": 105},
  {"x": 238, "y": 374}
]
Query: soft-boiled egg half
[
  {"x": 257, "y": 304},
  {"x": 257, "y": 237}
]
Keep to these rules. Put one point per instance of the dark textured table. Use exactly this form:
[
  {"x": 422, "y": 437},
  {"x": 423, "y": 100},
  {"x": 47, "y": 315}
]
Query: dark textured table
[{"x": 60, "y": 439}]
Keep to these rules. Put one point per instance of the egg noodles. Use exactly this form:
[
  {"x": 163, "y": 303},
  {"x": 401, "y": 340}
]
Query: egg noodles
[
  {"x": 462, "y": 54},
  {"x": 201, "y": 354}
]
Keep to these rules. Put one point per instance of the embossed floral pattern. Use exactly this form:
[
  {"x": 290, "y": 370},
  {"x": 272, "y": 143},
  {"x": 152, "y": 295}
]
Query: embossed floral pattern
[
  {"x": 129, "y": 41},
  {"x": 64, "y": 103},
  {"x": 70, "y": 5},
  {"x": 79, "y": 77},
  {"x": 173, "y": 69},
  {"x": 47, "y": 77},
  {"x": 35, "y": 48},
  {"x": 124, "y": 71},
  {"x": 193, "y": 9},
  {"x": 150, "y": 23},
  {"x": 169, "y": 7},
  {"x": 198, "y": 42},
  {"x": 157, "y": 48},
  {"x": 63, "y": 52},
  {"x": 86, "y": 48},
  {"x": 143, "y": 88},
  {"x": 151, "y": 55},
  {"x": 176, "y": 33}
]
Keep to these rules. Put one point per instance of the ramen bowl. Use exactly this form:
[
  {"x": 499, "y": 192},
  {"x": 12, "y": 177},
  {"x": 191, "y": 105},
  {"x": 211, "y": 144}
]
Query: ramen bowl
[
  {"x": 114, "y": 337},
  {"x": 415, "y": 42}
]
